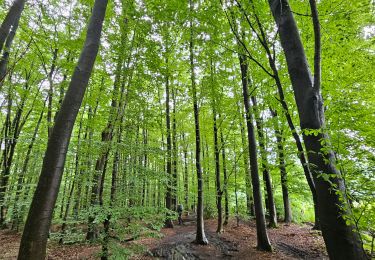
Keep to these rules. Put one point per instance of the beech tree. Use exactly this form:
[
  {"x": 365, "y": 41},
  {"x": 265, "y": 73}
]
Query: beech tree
[
  {"x": 208, "y": 104},
  {"x": 200, "y": 236},
  {"x": 341, "y": 239},
  {"x": 34, "y": 238}
]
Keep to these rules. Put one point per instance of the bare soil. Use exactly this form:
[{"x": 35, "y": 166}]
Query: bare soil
[{"x": 236, "y": 242}]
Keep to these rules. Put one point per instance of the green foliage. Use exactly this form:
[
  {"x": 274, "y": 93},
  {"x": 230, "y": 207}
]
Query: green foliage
[{"x": 150, "y": 40}]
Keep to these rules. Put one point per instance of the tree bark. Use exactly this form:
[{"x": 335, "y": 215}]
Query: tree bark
[
  {"x": 13, "y": 14},
  {"x": 341, "y": 240},
  {"x": 169, "y": 193},
  {"x": 263, "y": 242},
  {"x": 219, "y": 192},
  {"x": 266, "y": 174},
  {"x": 186, "y": 173},
  {"x": 281, "y": 158},
  {"x": 34, "y": 238},
  {"x": 8, "y": 44},
  {"x": 200, "y": 236},
  {"x": 174, "y": 151},
  {"x": 16, "y": 212},
  {"x": 12, "y": 133},
  {"x": 249, "y": 197},
  {"x": 225, "y": 175},
  {"x": 272, "y": 62}
]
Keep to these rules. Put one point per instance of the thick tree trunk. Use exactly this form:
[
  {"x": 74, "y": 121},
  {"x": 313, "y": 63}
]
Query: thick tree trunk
[
  {"x": 8, "y": 44},
  {"x": 341, "y": 239},
  {"x": 262, "y": 237},
  {"x": 13, "y": 14},
  {"x": 200, "y": 236},
  {"x": 34, "y": 238}
]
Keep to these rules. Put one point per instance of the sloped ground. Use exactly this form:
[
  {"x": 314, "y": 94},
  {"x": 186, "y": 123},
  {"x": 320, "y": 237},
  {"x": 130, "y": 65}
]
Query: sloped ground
[{"x": 288, "y": 242}]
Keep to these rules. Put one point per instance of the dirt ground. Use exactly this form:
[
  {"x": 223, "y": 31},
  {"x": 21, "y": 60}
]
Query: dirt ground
[{"x": 288, "y": 242}]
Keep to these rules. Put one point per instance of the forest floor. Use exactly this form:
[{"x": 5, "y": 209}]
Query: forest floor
[{"x": 237, "y": 242}]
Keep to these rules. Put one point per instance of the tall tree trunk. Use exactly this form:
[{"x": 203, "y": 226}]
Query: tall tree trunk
[
  {"x": 16, "y": 212},
  {"x": 174, "y": 151},
  {"x": 262, "y": 237},
  {"x": 235, "y": 190},
  {"x": 186, "y": 173},
  {"x": 341, "y": 239},
  {"x": 266, "y": 174},
  {"x": 225, "y": 175},
  {"x": 249, "y": 197},
  {"x": 74, "y": 181},
  {"x": 34, "y": 238},
  {"x": 8, "y": 44},
  {"x": 13, "y": 130},
  {"x": 281, "y": 158},
  {"x": 200, "y": 236},
  {"x": 89, "y": 138},
  {"x": 13, "y": 14},
  {"x": 101, "y": 163},
  {"x": 262, "y": 37},
  {"x": 50, "y": 91},
  {"x": 115, "y": 170},
  {"x": 219, "y": 228},
  {"x": 169, "y": 193}
]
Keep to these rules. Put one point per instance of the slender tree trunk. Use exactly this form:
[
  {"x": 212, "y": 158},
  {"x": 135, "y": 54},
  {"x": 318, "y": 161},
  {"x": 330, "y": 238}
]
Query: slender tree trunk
[
  {"x": 34, "y": 238},
  {"x": 50, "y": 91},
  {"x": 112, "y": 200},
  {"x": 16, "y": 212},
  {"x": 225, "y": 175},
  {"x": 341, "y": 239},
  {"x": 174, "y": 151},
  {"x": 88, "y": 135},
  {"x": 169, "y": 194},
  {"x": 74, "y": 181},
  {"x": 235, "y": 190},
  {"x": 13, "y": 130},
  {"x": 262, "y": 237},
  {"x": 217, "y": 173},
  {"x": 186, "y": 173},
  {"x": 200, "y": 236},
  {"x": 249, "y": 197},
  {"x": 281, "y": 158},
  {"x": 266, "y": 174},
  {"x": 272, "y": 62},
  {"x": 101, "y": 163}
]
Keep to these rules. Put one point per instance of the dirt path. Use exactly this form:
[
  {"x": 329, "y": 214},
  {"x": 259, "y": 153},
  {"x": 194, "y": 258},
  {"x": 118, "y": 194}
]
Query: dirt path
[{"x": 288, "y": 242}]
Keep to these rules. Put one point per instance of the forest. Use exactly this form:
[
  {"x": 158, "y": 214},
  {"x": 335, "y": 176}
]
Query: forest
[{"x": 187, "y": 129}]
